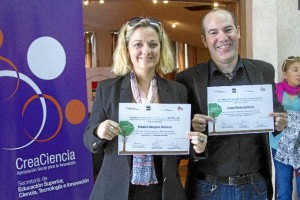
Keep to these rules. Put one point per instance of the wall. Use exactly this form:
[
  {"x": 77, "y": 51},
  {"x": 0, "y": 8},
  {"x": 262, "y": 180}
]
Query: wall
[
  {"x": 275, "y": 28},
  {"x": 264, "y": 26},
  {"x": 288, "y": 30},
  {"x": 104, "y": 46}
]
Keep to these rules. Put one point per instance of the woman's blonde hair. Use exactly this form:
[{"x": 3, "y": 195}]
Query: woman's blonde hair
[{"x": 121, "y": 59}]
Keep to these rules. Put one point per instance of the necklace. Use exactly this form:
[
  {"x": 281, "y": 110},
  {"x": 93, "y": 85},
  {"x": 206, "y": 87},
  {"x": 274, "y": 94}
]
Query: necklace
[{"x": 230, "y": 75}]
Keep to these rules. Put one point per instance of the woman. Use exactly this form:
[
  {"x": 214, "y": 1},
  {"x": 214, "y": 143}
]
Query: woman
[
  {"x": 286, "y": 145},
  {"x": 143, "y": 50}
]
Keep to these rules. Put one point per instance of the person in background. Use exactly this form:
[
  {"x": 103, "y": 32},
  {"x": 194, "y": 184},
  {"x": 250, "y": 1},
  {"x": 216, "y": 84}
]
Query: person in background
[
  {"x": 286, "y": 145},
  {"x": 143, "y": 51},
  {"x": 236, "y": 166}
]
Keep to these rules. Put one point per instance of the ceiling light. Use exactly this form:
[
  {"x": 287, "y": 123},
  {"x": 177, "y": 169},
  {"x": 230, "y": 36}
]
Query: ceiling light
[
  {"x": 101, "y": 1},
  {"x": 86, "y": 2},
  {"x": 173, "y": 25},
  {"x": 216, "y": 5},
  {"x": 154, "y": 1},
  {"x": 165, "y": 1}
]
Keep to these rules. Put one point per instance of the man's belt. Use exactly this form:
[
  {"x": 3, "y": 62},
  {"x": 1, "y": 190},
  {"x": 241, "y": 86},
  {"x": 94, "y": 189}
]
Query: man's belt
[{"x": 232, "y": 180}]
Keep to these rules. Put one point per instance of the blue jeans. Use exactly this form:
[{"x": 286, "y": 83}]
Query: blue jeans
[
  {"x": 211, "y": 191},
  {"x": 284, "y": 180}
]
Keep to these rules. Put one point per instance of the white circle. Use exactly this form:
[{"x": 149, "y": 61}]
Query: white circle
[{"x": 46, "y": 58}]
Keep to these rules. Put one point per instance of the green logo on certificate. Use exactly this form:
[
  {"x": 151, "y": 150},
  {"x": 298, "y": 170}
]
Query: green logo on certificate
[
  {"x": 214, "y": 110},
  {"x": 127, "y": 128}
]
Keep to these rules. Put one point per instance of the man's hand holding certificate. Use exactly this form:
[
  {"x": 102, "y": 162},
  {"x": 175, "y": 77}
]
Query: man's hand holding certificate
[
  {"x": 157, "y": 129},
  {"x": 240, "y": 109}
]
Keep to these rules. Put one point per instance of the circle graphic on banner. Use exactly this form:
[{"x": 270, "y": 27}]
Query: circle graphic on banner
[
  {"x": 1, "y": 38},
  {"x": 26, "y": 79},
  {"x": 75, "y": 111},
  {"x": 53, "y": 100},
  {"x": 46, "y": 58}
]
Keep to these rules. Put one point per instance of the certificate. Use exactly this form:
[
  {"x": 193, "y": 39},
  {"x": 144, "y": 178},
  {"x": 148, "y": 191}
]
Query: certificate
[
  {"x": 240, "y": 109},
  {"x": 157, "y": 129}
]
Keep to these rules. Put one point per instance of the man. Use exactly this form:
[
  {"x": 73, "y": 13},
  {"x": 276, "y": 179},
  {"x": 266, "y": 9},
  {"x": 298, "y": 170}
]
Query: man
[{"x": 236, "y": 166}]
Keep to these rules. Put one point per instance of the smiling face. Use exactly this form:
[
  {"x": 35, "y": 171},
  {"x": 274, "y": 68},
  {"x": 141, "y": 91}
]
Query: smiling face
[
  {"x": 144, "y": 49},
  {"x": 292, "y": 74},
  {"x": 221, "y": 38}
]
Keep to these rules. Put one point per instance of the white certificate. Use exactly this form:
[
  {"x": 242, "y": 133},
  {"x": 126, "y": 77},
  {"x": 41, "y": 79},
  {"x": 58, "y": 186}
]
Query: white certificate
[
  {"x": 240, "y": 109},
  {"x": 157, "y": 129}
]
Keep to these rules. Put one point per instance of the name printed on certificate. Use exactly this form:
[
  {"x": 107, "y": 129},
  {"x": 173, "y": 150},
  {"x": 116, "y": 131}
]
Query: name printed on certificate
[
  {"x": 156, "y": 129},
  {"x": 240, "y": 109}
]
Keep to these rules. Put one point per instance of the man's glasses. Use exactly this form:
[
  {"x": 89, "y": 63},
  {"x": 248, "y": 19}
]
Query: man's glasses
[
  {"x": 290, "y": 58},
  {"x": 152, "y": 21}
]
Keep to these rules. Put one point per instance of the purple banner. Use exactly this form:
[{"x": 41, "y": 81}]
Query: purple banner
[{"x": 43, "y": 101}]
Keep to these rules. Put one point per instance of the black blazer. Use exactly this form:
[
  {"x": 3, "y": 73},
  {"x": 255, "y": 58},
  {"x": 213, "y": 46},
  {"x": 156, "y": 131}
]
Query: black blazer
[
  {"x": 114, "y": 177},
  {"x": 196, "y": 80}
]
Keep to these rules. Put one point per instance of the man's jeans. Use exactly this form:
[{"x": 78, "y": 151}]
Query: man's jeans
[
  {"x": 284, "y": 180},
  {"x": 251, "y": 191}
]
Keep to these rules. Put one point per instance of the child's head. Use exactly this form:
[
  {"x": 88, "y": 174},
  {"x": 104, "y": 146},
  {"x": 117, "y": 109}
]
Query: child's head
[{"x": 291, "y": 70}]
